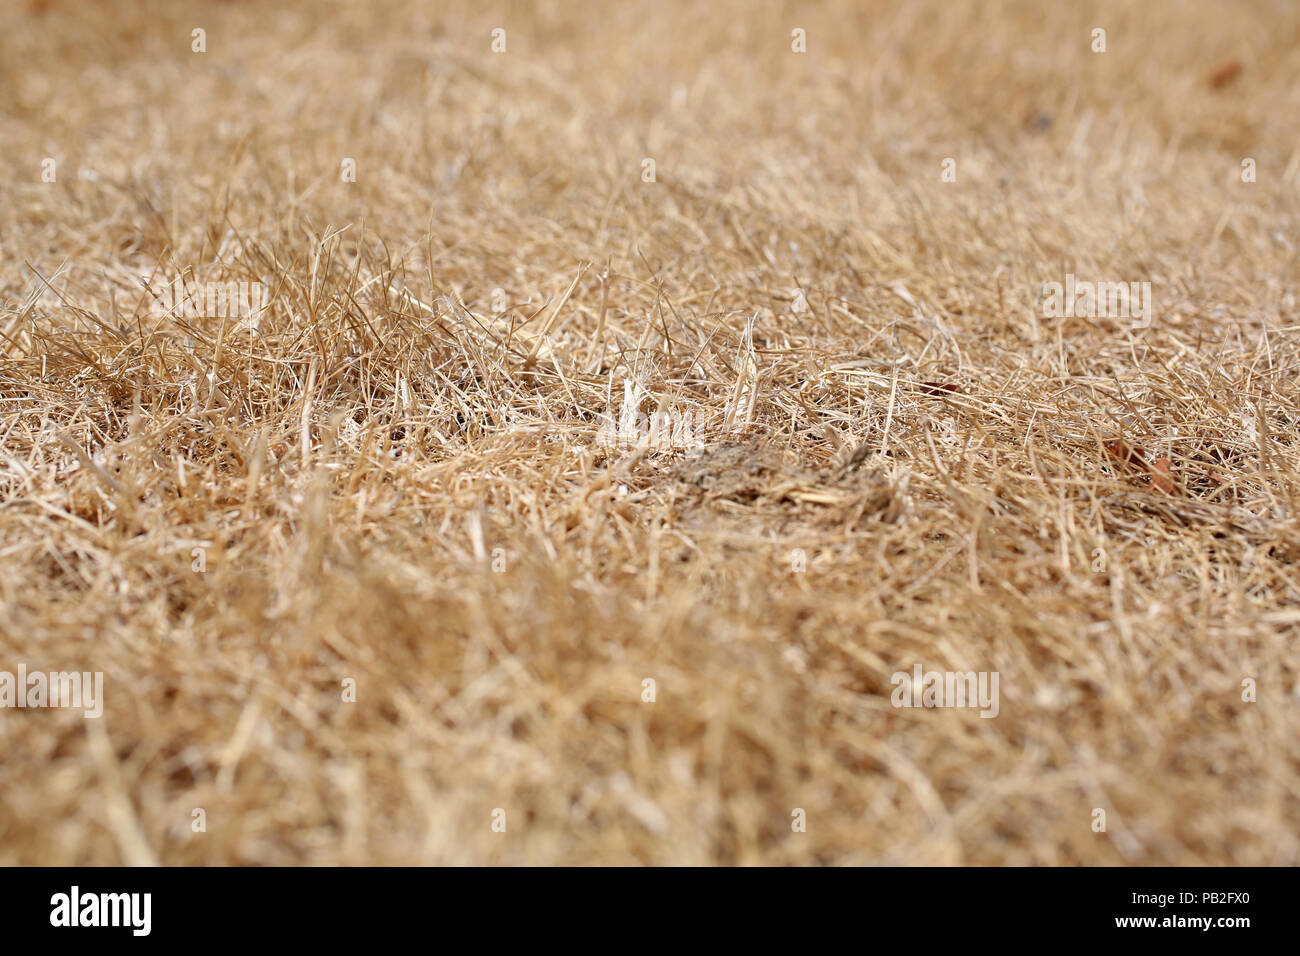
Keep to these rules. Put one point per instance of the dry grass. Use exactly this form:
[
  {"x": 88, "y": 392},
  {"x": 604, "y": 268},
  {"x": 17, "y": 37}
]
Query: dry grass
[{"x": 951, "y": 462}]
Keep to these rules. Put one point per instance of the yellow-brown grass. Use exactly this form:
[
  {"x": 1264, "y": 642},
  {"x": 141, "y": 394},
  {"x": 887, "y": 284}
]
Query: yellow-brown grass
[{"x": 393, "y": 480}]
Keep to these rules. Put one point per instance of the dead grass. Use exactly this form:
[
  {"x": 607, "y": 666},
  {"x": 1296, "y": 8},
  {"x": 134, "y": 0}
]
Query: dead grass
[{"x": 393, "y": 481}]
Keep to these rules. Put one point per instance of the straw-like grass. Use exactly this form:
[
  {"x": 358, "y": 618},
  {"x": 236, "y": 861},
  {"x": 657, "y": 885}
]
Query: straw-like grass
[{"x": 390, "y": 478}]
